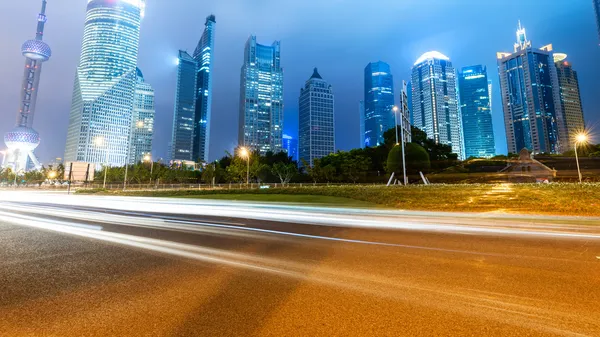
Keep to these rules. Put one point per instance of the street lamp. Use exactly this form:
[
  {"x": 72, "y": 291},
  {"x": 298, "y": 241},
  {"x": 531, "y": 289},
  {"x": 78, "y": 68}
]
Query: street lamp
[
  {"x": 395, "y": 109},
  {"x": 100, "y": 142},
  {"x": 245, "y": 153},
  {"x": 148, "y": 158},
  {"x": 581, "y": 138},
  {"x": 52, "y": 175}
]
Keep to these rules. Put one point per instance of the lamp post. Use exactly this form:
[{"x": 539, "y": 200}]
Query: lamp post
[
  {"x": 581, "y": 138},
  {"x": 395, "y": 109},
  {"x": 245, "y": 153},
  {"x": 99, "y": 142},
  {"x": 148, "y": 158}
]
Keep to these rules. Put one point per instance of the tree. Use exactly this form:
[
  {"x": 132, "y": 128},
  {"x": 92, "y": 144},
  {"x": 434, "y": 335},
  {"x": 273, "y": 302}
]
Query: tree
[
  {"x": 354, "y": 165},
  {"x": 440, "y": 155},
  {"x": 417, "y": 159},
  {"x": 209, "y": 174},
  {"x": 285, "y": 172}
]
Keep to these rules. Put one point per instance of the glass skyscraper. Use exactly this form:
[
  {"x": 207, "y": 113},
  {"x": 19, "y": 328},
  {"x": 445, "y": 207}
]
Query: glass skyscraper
[
  {"x": 435, "y": 101},
  {"x": 476, "y": 112},
  {"x": 378, "y": 102},
  {"x": 182, "y": 143},
  {"x": 290, "y": 145},
  {"x": 530, "y": 97},
  {"x": 143, "y": 121},
  {"x": 597, "y": 11},
  {"x": 317, "y": 122},
  {"x": 203, "y": 55},
  {"x": 570, "y": 101},
  {"x": 261, "y": 98},
  {"x": 104, "y": 92}
]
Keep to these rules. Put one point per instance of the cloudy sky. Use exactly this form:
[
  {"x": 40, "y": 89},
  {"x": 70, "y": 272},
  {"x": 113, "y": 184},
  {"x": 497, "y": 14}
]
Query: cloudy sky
[{"x": 338, "y": 36}]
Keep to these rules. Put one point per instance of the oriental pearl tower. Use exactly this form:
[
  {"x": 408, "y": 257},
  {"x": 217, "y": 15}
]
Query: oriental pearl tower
[{"x": 23, "y": 139}]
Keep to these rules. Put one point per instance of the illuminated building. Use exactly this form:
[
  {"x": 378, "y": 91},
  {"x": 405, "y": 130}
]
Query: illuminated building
[
  {"x": 143, "y": 120},
  {"x": 290, "y": 145},
  {"x": 378, "y": 103},
  {"x": 23, "y": 139},
  {"x": 182, "y": 144},
  {"x": 570, "y": 101},
  {"x": 597, "y": 11},
  {"x": 317, "y": 122},
  {"x": 476, "y": 111},
  {"x": 531, "y": 97},
  {"x": 101, "y": 117},
  {"x": 203, "y": 55},
  {"x": 435, "y": 107},
  {"x": 261, "y": 98}
]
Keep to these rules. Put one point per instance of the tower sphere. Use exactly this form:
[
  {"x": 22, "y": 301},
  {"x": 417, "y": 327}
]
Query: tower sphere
[
  {"x": 36, "y": 50},
  {"x": 22, "y": 138}
]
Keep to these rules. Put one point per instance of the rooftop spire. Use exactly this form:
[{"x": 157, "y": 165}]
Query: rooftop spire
[
  {"x": 521, "y": 36},
  {"x": 316, "y": 75},
  {"x": 39, "y": 35}
]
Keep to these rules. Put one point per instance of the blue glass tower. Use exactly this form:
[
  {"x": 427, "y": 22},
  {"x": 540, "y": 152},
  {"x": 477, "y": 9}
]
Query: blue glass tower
[
  {"x": 290, "y": 144},
  {"x": 531, "y": 97},
  {"x": 261, "y": 98},
  {"x": 203, "y": 55},
  {"x": 476, "y": 112},
  {"x": 182, "y": 143},
  {"x": 378, "y": 102}
]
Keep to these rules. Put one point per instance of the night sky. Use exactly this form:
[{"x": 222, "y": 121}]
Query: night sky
[{"x": 340, "y": 37}]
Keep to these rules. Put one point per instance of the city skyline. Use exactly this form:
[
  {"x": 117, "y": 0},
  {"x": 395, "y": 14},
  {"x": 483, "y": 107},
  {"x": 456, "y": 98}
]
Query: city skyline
[{"x": 341, "y": 74}]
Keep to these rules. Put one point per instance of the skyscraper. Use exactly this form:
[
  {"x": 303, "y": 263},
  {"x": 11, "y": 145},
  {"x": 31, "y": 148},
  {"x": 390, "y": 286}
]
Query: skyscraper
[
  {"x": 379, "y": 102},
  {"x": 596, "y": 4},
  {"x": 570, "y": 101},
  {"x": 435, "y": 101},
  {"x": 476, "y": 112},
  {"x": 104, "y": 92},
  {"x": 203, "y": 55},
  {"x": 182, "y": 144},
  {"x": 143, "y": 121},
  {"x": 317, "y": 122},
  {"x": 530, "y": 97},
  {"x": 261, "y": 97},
  {"x": 23, "y": 139},
  {"x": 290, "y": 145}
]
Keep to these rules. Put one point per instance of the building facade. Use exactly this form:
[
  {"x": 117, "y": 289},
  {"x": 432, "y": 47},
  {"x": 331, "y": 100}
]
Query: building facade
[
  {"x": 104, "y": 92},
  {"x": 143, "y": 121},
  {"x": 435, "y": 107},
  {"x": 378, "y": 102},
  {"x": 261, "y": 98},
  {"x": 317, "y": 122},
  {"x": 570, "y": 101},
  {"x": 203, "y": 55},
  {"x": 23, "y": 139},
  {"x": 530, "y": 97},
  {"x": 290, "y": 145},
  {"x": 476, "y": 110},
  {"x": 182, "y": 143}
]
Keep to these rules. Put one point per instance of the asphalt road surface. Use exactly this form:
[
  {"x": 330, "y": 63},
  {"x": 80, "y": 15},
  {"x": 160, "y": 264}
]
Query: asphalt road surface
[{"x": 108, "y": 266}]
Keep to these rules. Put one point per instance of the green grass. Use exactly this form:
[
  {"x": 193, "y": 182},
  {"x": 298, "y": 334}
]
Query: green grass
[
  {"x": 289, "y": 198},
  {"x": 550, "y": 199}
]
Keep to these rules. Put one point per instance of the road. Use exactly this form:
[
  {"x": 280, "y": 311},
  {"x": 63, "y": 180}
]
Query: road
[{"x": 114, "y": 266}]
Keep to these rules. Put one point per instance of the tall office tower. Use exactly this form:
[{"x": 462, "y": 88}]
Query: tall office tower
[
  {"x": 203, "y": 55},
  {"x": 290, "y": 145},
  {"x": 474, "y": 90},
  {"x": 182, "y": 143},
  {"x": 597, "y": 11},
  {"x": 435, "y": 101},
  {"x": 104, "y": 90},
  {"x": 570, "y": 101},
  {"x": 261, "y": 98},
  {"x": 379, "y": 102},
  {"x": 404, "y": 113},
  {"x": 143, "y": 121},
  {"x": 317, "y": 122},
  {"x": 530, "y": 97},
  {"x": 23, "y": 139},
  {"x": 361, "y": 113}
]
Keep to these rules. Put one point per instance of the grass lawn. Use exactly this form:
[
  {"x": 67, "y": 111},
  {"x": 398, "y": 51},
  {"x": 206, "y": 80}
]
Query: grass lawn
[
  {"x": 320, "y": 200},
  {"x": 549, "y": 199}
]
